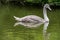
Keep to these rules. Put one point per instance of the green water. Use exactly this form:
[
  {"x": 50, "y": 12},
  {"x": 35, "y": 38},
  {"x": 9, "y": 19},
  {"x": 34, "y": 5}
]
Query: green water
[{"x": 9, "y": 32}]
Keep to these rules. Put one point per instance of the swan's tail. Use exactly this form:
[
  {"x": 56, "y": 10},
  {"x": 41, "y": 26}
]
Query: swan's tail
[{"x": 17, "y": 18}]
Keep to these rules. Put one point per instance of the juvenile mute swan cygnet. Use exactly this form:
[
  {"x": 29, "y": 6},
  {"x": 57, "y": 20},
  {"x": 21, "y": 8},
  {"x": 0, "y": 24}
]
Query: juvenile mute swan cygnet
[{"x": 33, "y": 18}]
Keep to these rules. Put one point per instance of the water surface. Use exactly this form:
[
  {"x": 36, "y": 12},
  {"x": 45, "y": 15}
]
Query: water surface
[{"x": 9, "y": 32}]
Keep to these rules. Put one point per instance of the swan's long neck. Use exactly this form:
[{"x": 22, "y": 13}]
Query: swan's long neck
[{"x": 45, "y": 14}]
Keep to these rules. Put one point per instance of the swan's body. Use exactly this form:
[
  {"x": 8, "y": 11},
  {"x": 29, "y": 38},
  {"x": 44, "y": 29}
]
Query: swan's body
[
  {"x": 33, "y": 18},
  {"x": 30, "y": 18}
]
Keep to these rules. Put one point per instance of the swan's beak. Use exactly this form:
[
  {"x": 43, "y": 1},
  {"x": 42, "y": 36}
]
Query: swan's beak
[{"x": 49, "y": 8}]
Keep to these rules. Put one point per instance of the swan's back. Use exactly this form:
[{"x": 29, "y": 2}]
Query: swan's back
[{"x": 33, "y": 17}]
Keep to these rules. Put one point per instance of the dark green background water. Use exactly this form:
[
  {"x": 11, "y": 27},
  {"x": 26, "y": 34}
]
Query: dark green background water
[{"x": 9, "y": 32}]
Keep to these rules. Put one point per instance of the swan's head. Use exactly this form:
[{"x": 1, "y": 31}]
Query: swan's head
[{"x": 47, "y": 6}]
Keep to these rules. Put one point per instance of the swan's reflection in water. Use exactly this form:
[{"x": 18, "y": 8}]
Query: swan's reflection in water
[
  {"x": 30, "y": 25},
  {"x": 46, "y": 35}
]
